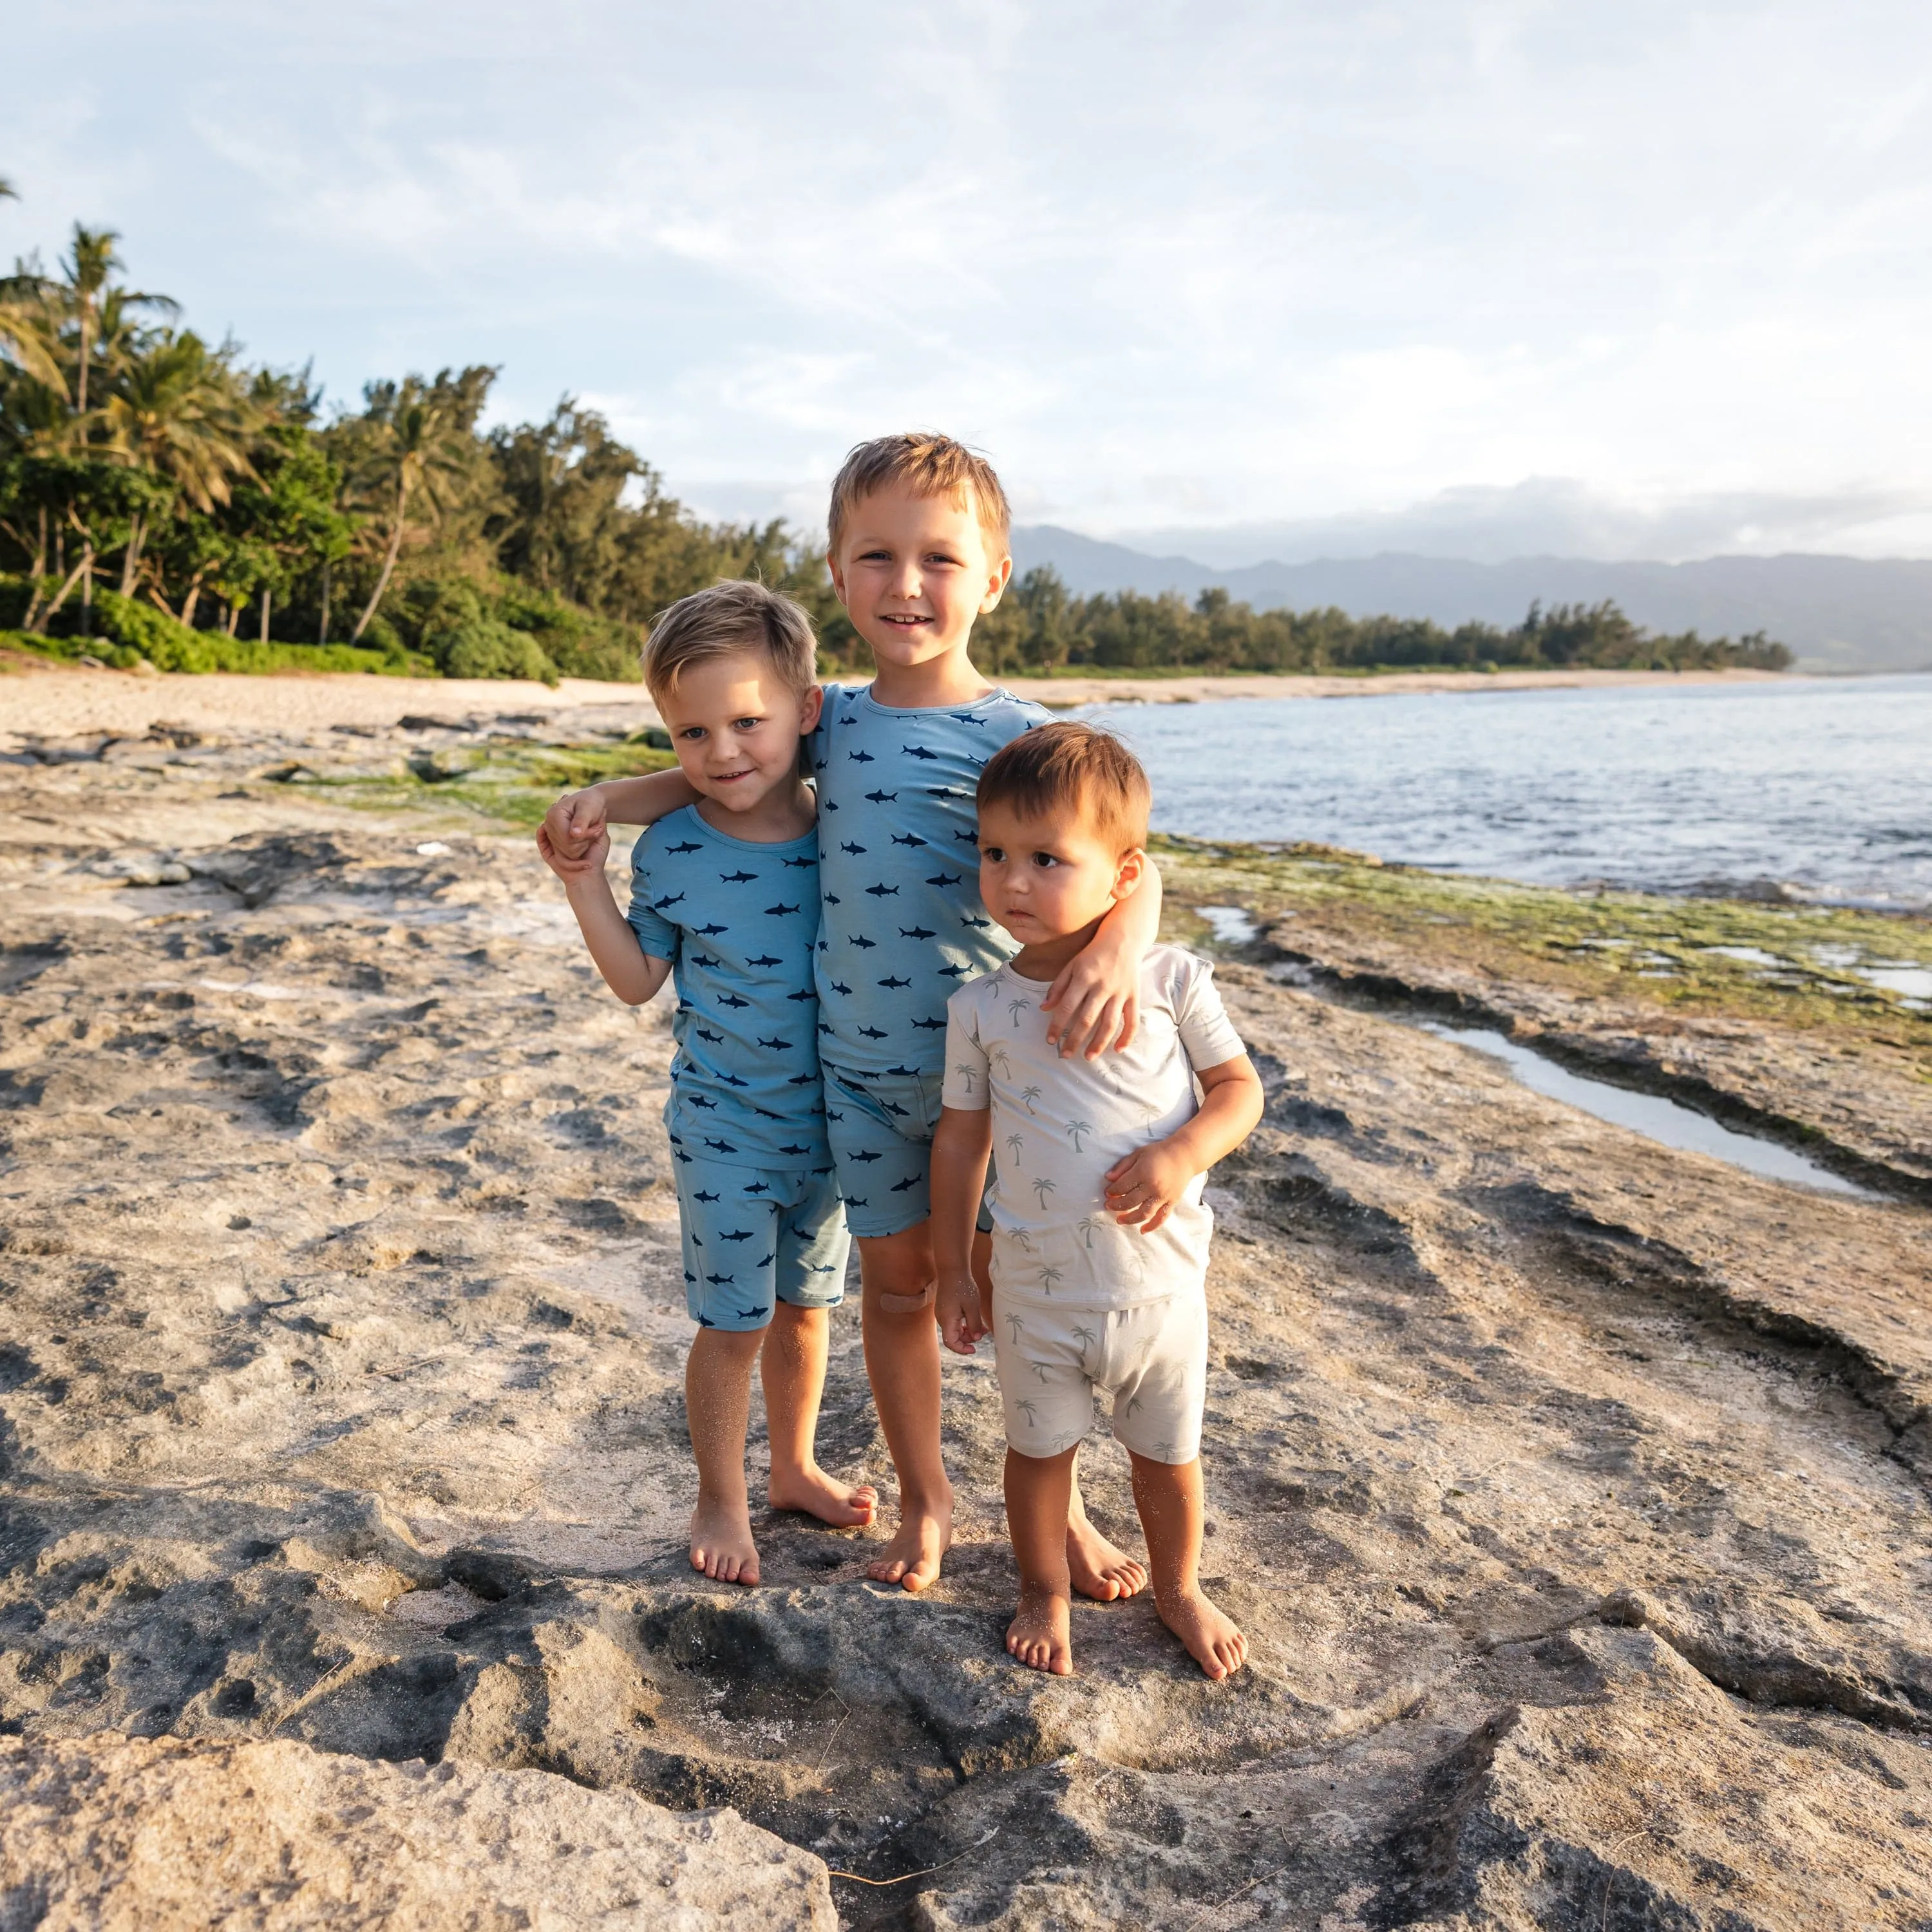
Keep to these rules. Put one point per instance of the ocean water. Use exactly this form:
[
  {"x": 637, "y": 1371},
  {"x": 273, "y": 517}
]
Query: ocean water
[{"x": 1822, "y": 786}]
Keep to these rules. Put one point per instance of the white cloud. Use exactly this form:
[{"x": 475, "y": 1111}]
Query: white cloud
[{"x": 1254, "y": 264}]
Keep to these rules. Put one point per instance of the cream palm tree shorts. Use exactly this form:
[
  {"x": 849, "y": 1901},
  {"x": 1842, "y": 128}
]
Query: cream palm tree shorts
[{"x": 1149, "y": 1360}]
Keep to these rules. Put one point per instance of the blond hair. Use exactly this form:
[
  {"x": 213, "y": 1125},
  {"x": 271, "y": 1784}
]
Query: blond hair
[
  {"x": 732, "y": 616},
  {"x": 1072, "y": 768},
  {"x": 928, "y": 465}
]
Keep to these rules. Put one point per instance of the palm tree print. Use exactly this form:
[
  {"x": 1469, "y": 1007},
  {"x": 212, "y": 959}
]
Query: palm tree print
[
  {"x": 1043, "y": 1186},
  {"x": 1086, "y": 1225},
  {"x": 1015, "y": 1146},
  {"x": 1028, "y": 1095},
  {"x": 1016, "y": 1007},
  {"x": 1018, "y": 1327},
  {"x": 1002, "y": 1061},
  {"x": 1086, "y": 1337},
  {"x": 967, "y": 1076},
  {"x": 1074, "y": 1129},
  {"x": 1040, "y": 1370},
  {"x": 1021, "y": 1239},
  {"x": 1030, "y": 1409},
  {"x": 1048, "y": 1275}
]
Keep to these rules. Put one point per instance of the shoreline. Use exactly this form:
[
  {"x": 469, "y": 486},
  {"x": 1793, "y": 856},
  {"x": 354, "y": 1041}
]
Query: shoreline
[{"x": 54, "y": 702}]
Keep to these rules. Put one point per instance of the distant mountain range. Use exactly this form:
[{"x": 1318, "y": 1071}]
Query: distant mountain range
[{"x": 1837, "y": 613}]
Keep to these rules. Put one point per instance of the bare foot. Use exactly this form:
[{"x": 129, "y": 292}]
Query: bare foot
[
  {"x": 812, "y": 1493},
  {"x": 1098, "y": 1569},
  {"x": 1041, "y": 1634},
  {"x": 721, "y": 1543},
  {"x": 912, "y": 1558},
  {"x": 1213, "y": 1640}
]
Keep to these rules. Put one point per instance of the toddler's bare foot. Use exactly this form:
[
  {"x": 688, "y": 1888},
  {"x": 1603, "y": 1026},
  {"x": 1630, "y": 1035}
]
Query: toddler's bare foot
[
  {"x": 1041, "y": 1634},
  {"x": 1213, "y": 1640},
  {"x": 812, "y": 1493},
  {"x": 1097, "y": 1568},
  {"x": 912, "y": 1558},
  {"x": 721, "y": 1543}
]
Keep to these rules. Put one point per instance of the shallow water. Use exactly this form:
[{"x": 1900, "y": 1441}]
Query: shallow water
[
  {"x": 1822, "y": 785},
  {"x": 1668, "y": 1122}
]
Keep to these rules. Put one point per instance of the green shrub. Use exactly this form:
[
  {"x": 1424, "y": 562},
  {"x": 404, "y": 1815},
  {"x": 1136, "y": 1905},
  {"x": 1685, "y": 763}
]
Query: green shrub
[{"x": 482, "y": 647}]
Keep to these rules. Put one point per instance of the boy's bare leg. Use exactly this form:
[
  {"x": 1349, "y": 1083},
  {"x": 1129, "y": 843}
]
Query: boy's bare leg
[
  {"x": 1041, "y": 1634},
  {"x": 902, "y": 1361},
  {"x": 717, "y": 1401},
  {"x": 1098, "y": 1566},
  {"x": 793, "y": 1367},
  {"x": 1170, "y": 1499}
]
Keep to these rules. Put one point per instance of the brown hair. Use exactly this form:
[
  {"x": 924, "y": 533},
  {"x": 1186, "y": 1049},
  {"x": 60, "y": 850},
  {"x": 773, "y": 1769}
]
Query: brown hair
[
  {"x": 928, "y": 465},
  {"x": 1069, "y": 767},
  {"x": 735, "y": 615}
]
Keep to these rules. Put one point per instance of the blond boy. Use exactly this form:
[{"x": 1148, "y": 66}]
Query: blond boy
[
  {"x": 918, "y": 550},
  {"x": 1100, "y": 1235},
  {"x": 724, "y": 899}
]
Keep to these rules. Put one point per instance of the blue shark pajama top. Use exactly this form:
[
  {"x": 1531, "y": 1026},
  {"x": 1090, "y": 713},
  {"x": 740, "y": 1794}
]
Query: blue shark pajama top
[
  {"x": 901, "y": 928},
  {"x": 757, "y": 1195}
]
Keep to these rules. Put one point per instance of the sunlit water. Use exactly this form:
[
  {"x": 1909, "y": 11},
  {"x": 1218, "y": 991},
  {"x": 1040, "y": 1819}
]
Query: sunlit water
[{"x": 1823, "y": 785}]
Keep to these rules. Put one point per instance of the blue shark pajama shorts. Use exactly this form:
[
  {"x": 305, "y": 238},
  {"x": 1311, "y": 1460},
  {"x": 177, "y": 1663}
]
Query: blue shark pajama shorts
[
  {"x": 880, "y": 1128},
  {"x": 751, "y": 1238}
]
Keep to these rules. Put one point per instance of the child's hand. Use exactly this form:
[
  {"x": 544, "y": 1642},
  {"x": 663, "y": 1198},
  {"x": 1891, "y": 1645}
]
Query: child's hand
[
  {"x": 1095, "y": 1001},
  {"x": 588, "y": 864},
  {"x": 1141, "y": 1189},
  {"x": 571, "y": 829},
  {"x": 960, "y": 1323}
]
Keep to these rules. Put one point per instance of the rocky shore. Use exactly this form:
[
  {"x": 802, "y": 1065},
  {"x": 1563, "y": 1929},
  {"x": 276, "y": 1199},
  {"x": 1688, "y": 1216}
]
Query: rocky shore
[{"x": 1573, "y": 1491}]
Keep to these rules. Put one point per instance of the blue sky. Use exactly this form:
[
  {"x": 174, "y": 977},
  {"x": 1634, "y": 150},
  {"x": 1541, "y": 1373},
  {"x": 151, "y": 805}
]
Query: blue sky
[{"x": 1639, "y": 279}]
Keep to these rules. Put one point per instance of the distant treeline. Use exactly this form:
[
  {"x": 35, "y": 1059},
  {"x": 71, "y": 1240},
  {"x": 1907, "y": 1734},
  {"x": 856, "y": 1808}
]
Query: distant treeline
[
  {"x": 1040, "y": 627},
  {"x": 160, "y": 499}
]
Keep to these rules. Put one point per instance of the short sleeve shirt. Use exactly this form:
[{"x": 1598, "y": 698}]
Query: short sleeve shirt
[
  {"x": 737, "y": 920},
  {"x": 902, "y": 924},
  {"x": 1060, "y": 1123}
]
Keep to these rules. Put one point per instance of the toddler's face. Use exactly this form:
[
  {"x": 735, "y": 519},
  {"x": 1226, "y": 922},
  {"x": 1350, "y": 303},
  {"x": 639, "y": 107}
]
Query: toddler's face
[
  {"x": 913, "y": 572},
  {"x": 735, "y": 725},
  {"x": 1044, "y": 878}
]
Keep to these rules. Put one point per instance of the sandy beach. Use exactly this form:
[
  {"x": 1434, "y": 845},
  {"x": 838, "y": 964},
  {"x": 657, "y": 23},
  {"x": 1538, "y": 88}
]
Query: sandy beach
[{"x": 58, "y": 703}]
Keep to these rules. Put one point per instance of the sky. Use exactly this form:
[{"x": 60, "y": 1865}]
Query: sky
[{"x": 1295, "y": 278}]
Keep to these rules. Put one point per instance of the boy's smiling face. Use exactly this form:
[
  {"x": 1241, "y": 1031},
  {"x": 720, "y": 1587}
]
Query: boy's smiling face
[
  {"x": 735, "y": 725},
  {"x": 914, "y": 572}
]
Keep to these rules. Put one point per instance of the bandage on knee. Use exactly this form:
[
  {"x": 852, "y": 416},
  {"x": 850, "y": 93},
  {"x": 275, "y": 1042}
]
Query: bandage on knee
[{"x": 906, "y": 1304}]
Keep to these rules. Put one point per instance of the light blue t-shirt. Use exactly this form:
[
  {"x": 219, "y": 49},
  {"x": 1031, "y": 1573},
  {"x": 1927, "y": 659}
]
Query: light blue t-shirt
[
  {"x": 902, "y": 924},
  {"x": 737, "y": 919}
]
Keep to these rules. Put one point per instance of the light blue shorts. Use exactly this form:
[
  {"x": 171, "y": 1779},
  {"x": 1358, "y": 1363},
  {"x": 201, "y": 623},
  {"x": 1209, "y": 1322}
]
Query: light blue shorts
[
  {"x": 751, "y": 1238},
  {"x": 880, "y": 1128}
]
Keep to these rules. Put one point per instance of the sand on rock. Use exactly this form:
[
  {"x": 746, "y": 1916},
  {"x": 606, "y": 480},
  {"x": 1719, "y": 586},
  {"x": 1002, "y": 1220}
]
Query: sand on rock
[
  {"x": 119, "y": 1834},
  {"x": 1573, "y": 1491}
]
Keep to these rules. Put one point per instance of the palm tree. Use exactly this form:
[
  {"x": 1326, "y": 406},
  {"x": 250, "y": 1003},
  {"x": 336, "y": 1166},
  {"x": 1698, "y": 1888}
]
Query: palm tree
[
  {"x": 1086, "y": 1225},
  {"x": 1074, "y": 1129},
  {"x": 1029, "y": 1095},
  {"x": 1015, "y": 1146},
  {"x": 1030, "y": 1409},
  {"x": 965, "y": 1070},
  {"x": 177, "y": 412},
  {"x": 1019, "y": 1326},
  {"x": 1043, "y": 1187},
  {"x": 1048, "y": 1276},
  {"x": 1087, "y": 1337},
  {"x": 419, "y": 450}
]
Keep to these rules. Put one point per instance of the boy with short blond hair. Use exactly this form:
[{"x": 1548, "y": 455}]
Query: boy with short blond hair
[
  {"x": 918, "y": 534},
  {"x": 1100, "y": 1235},
  {"x": 725, "y": 898}
]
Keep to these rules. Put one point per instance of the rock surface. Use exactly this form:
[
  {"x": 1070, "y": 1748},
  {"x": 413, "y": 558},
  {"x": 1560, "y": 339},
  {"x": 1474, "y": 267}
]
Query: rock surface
[
  {"x": 112, "y": 1833},
  {"x": 1573, "y": 1491}
]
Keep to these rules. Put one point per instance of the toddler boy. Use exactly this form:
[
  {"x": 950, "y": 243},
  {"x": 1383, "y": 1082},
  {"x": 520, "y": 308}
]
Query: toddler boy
[
  {"x": 918, "y": 550},
  {"x": 724, "y": 898},
  {"x": 1100, "y": 1235}
]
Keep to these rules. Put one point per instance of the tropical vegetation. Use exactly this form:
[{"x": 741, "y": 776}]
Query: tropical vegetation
[{"x": 163, "y": 501}]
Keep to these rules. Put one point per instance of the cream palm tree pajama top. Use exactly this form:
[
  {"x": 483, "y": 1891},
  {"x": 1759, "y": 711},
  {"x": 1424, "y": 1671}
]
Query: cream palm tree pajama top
[{"x": 1081, "y": 1304}]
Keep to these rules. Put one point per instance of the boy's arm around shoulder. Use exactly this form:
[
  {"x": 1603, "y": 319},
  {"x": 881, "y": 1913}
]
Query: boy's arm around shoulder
[
  {"x": 633, "y": 974},
  {"x": 1095, "y": 1001},
  {"x": 577, "y": 819}
]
